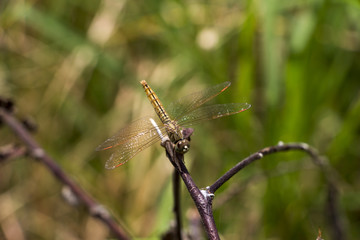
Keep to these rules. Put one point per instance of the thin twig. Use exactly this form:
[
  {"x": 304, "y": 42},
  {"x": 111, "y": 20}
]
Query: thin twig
[
  {"x": 329, "y": 174},
  {"x": 203, "y": 204},
  {"x": 177, "y": 205},
  {"x": 95, "y": 209},
  {"x": 260, "y": 154}
]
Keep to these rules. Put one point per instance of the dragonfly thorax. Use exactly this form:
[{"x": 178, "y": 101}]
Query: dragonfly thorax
[
  {"x": 174, "y": 131},
  {"x": 176, "y": 136}
]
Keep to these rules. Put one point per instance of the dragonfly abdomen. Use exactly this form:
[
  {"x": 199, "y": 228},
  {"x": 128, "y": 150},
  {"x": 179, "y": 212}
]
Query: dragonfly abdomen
[{"x": 155, "y": 102}]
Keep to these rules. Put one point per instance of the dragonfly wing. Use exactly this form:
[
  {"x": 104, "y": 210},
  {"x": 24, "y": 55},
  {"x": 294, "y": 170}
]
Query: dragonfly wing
[
  {"x": 136, "y": 128},
  {"x": 128, "y": 150},
  {"x": 131, "y": 140},
  {"x": 192, "y": 101},
  {"x": 212, "y": 112}
]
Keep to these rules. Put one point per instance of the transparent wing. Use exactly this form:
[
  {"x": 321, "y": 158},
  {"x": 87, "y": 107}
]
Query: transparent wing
[
  {"x": 131, "y": 140},
  {"x": 192, "y": 101},
  {"x": 129, "y": 149},
  {"x": 211, "y": 112}
]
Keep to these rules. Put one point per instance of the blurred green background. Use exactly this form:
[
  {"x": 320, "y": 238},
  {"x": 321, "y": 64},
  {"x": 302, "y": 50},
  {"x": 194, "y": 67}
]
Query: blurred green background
[{"x": 75, "y": 66}]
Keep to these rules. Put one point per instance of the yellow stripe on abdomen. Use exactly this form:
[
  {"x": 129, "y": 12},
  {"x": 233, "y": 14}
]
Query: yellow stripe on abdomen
[{"x": 155, "y": 102}]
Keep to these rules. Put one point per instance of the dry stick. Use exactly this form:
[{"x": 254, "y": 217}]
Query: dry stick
[
  {"x": 329, "y": 174},
  {"x": 203, "y": 204},
  {"x": 177, "y": 207},
  {"x": 260, "y": 154},
  {"x": 95, "y": 209}
]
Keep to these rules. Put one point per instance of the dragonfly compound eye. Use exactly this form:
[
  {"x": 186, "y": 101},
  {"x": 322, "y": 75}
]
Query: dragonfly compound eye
[{"x": 182, "y": 146}]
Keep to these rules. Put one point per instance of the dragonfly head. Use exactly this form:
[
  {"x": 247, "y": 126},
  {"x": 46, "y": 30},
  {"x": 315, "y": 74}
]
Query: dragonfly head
[{"x": 182, "y": 146}]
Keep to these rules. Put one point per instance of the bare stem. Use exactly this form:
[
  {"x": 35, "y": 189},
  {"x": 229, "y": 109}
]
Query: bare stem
[
  {"x": 177, "y": 206},
  {"x": 260, "y": 154},
  {"x": 95, "y": 209},
  {"x": 329, "y": 175},
  {"x": 201, "y": 198},
  {"x": 202, "y": 203}
]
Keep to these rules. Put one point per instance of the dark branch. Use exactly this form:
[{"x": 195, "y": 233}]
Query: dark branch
[
  {"x": 203, "y": 204},
  {"x": 201, "y": 198},
  {"x": 260, "y": 154},
  {"x": 329, "y": 174},
  {"x": 38, "y": 153},
  {"x": 177, "y": 206}
]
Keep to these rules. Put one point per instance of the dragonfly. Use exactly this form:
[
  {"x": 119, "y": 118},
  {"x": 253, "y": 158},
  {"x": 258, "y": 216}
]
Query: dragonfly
[{"x": 168, "y": 125}]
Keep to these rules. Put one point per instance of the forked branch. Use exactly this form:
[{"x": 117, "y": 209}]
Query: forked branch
[
  {"x": 203, "y": 198},
  {"x": 202, "y": 201}
]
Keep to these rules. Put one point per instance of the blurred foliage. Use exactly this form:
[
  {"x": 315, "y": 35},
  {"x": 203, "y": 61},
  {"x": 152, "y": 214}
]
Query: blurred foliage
[{"x": 74, "y": 67}]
